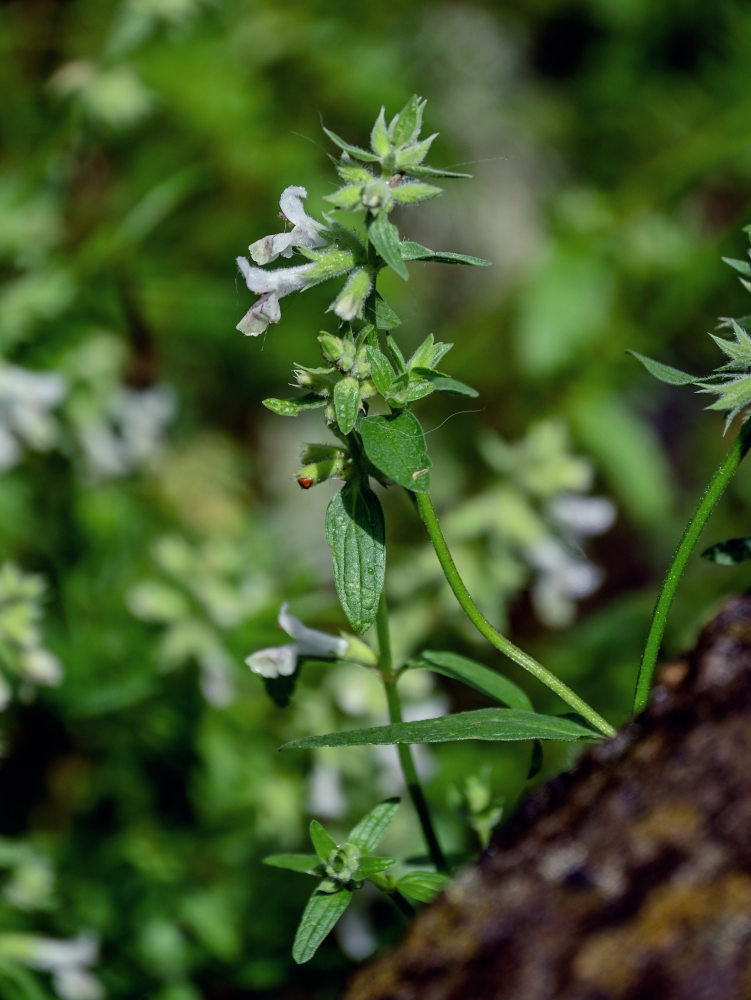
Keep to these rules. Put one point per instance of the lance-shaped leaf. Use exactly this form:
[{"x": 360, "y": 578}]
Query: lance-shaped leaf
[
  {"x": 424, "y": 171},
  {"x": 385, "y": 238},
  {"x": 318, "y": 919},
  {"x": 346, "y": 197},
  {"x": 381, "y": 371},
  {"x": 730, "y": 552},
  {"x": 490, "y": 724},
  {"x": 386, "y": 318},
  {"x": 373, "y": 866},
  {"x": 741, "y": 266},
  {"x": 323, "y": 842},
  {"x": 473, "y": 674},
  {"x": 355, "y": 531},
  {"x": 444, "y": 383},
  {"x": 665, "y": 373},
  {"x": 368, "y": 832},
  {"x": 379, "y": 136},
  {"x": 414, "y": 192},
  {"x": 415, "y": 251},
  {"x": 405, "y": 127},
  {"x": 422, "y": 886},
  {"x": 307, "y": 864},
  {"x": 293, "y": 407},
  {"x": 347, "y": 147},
  {"x": 346, "y": 403},
  {"x": 395, "y": 445}
]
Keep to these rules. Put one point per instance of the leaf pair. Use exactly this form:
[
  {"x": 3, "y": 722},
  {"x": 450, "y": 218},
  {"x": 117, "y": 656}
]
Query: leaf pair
[{"x": 342, "y": 869}]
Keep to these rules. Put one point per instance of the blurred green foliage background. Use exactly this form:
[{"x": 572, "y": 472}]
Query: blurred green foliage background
[{"x": 144, "y": 145}]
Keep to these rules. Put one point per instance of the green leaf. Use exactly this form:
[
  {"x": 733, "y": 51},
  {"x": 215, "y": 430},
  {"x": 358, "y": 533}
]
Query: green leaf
[
  {"x": 491, "y": 724},
  {"x": 352, "y": 174},
  {"x": 444, "y": 383},
  {"x": 323, "y": 842},
  {"x": 416, "y": 251},
  {"x": 417, "y": 388},
  {"x": 386, "y": 318},
  {"x": 673, "y": 376},
  {"x": 356, "y": 151},
  {"x": 401, "y": 364},
  {"x": 346, "y": 197},
  {"x": 371, "y": 828},
  {"x": 413, "y": 155},
  {"x": 293, "y": 407},
  {"x": 413, "y": 192},
  {"x": 307, "y": 864},
  {"x": 347, "y": 403},
  {"x": 319, "y": 917},
  {"x": 730, "y": 552},
  {"x": 422, "y": 357},
  {"x": 385, "y": 238},
  {"x": 381, "y": 371},
  {"x": 405, "y": 127},
  {"x": 372, "y": 866},
  {"x": 355, "y": 531},
  {"x": 395, "y": 445},
  {"x": 423, "y": 171},
  {"x": 422, "y": 886},
  {"x": 379, "y": 136},
  {"x": 477, "y": 676},
  {"x": 741, "y": 266}
]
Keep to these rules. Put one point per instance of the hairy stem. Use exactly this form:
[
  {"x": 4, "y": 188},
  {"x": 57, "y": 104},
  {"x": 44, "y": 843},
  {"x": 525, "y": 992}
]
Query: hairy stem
[
  {"x": 714, "y": 490},
  {"x": 483, "y": 626},
  {"x": 405, "y": 753}
]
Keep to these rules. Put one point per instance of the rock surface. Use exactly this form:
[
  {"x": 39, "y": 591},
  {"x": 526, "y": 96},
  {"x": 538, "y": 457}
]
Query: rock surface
[{"x": 629, "y": 878}]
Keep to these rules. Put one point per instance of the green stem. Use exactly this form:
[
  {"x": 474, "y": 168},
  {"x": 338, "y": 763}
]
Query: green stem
[
  {"x": 483, "y": 626},
  {"x": 401, "y": 903},
  {"x": 714, "y": 490},
  {"x": 405, "y": 753}
]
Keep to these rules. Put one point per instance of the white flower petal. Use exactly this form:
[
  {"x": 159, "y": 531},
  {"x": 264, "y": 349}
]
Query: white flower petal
[
  {"x": 304, "y": 232},
  {"x": 290, "y": 203},
  {"x": 281, "y": 281},
  {"x": 276, "y": 661},
  {"x": 583, "y": 515},
  {"x": 310, "y": 642}
]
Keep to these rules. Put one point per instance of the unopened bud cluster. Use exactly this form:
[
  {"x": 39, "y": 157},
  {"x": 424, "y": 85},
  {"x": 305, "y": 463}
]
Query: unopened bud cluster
[{"x": 341, "y": 868}]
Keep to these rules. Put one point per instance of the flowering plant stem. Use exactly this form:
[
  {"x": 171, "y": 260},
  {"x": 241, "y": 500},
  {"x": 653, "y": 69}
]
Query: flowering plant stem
[
  {"x": 405, "y": 753},
  {"x": 714, "y": 490},
  {"x": 483, "y": 626}
]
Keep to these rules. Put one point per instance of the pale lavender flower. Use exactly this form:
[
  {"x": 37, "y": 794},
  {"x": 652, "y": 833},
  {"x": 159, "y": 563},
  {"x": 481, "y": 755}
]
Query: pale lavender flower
[
  {"x": 271, "y": 286},
  {"x": 26, "y": 399},
  {"x": 67, "y": 961},
  {"x": 304, "y": 232},
  {"x": 563, "y": 577},
  {"x": 281, "y": 661}
]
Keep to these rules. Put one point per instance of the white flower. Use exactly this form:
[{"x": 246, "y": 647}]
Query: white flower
[
  {"x": 67, "y": 962},
  {"x": 26, "y": 397},
  {"x": 131, "y": 431},
  {"x": 304, "y": 232},
  {"x": 584, "y": 516},
  {"x": 563, "y": 578},
  {"x": 271, "y": 286},
  {"x": 39, "y": 666},
  {"x": 281, "y": 661}
]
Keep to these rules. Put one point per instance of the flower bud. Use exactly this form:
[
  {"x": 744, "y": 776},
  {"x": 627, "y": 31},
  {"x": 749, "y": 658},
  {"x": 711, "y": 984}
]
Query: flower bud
[
  {"x": 321, "y": 462},
  {"x": 375, "y": 193},
  {"x": 342, "y": 862},
  {"x": 331, "y": 346}
]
